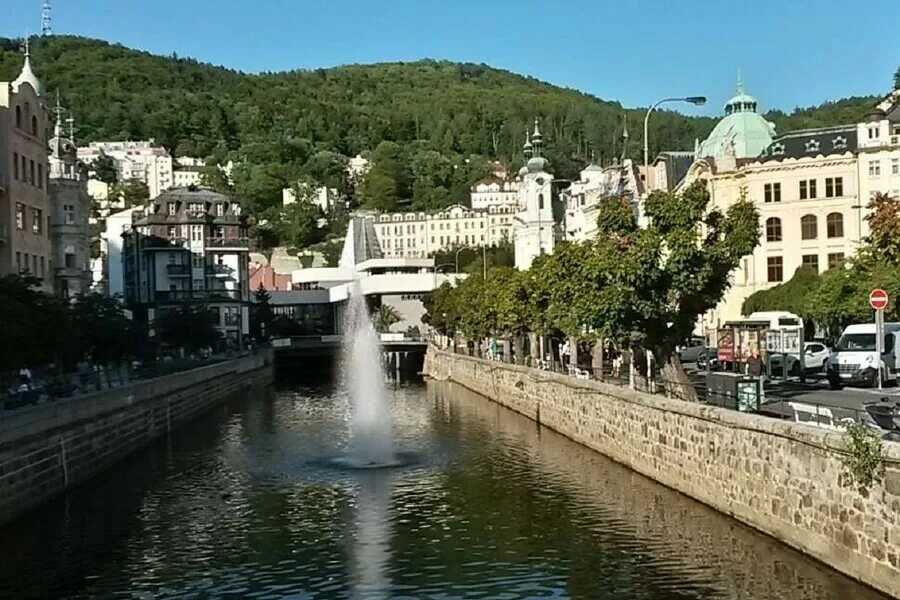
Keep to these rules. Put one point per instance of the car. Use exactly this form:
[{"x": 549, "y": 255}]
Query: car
[
  {"x": 691, "y": 350},
  {"x": 815, "y": 357},
  {"x": 708, "y": 359}
]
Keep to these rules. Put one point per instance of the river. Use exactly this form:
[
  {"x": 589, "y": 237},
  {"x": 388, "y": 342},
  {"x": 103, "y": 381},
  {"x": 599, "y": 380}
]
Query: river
[{"x": 246, "y": 503}]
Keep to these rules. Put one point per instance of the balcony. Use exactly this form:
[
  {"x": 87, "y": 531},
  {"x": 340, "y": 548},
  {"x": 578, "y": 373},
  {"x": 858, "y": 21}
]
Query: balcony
[
  {"x": 214, "y": 295},
  {"x": 223, "y": 294},
  {"x": 158, "y": 243},
  {"x": 228, "y": 243},
  {"x": 219, "y": 270},
  {"x": 178, "y": 270}
]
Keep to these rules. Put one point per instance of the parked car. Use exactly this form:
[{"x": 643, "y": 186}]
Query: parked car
[
  {"x": 708, "y": 359},
  {"x": 815, "y": 357},
  {"x": 691, "y": 350},
  {"x": 855, "y": 358}
]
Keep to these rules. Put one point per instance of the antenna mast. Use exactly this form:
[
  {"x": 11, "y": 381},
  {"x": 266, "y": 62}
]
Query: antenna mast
[{"x": 45, "y": 18}]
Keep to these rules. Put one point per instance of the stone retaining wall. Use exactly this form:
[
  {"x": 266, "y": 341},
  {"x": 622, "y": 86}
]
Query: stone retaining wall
[
  {"x": 781, "y": 478},
  {"x": 47, "y": 448}
]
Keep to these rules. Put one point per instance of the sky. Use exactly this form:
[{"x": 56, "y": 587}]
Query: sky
[{"x": 790, "y": 52}]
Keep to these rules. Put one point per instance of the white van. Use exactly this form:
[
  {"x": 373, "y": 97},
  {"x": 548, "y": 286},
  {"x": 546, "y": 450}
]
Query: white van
[{"x": 854, "y": 359}]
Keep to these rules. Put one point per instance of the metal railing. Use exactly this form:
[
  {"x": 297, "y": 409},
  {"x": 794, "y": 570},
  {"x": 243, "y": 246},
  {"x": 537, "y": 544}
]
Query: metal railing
[{"x": 216, "y": 242}]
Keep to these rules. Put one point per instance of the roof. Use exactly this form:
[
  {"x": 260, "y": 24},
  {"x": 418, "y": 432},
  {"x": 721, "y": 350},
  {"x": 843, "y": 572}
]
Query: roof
[
  {"x": 487, "y": 181},
  {"x": 740, "y": 134},
  {"x": 677, "y": 165},
  {"x": 821, "y": 141}
]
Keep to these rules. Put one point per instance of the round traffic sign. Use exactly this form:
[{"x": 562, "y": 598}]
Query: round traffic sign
[{"x": 878, "y": 299}]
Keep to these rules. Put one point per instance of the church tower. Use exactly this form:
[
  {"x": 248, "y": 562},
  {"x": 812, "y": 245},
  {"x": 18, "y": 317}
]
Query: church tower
[{"x": 534, "y": 226}]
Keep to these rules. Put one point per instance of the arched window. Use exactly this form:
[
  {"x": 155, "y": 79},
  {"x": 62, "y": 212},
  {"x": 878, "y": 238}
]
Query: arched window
[
  {"x": 835, "y": 225},
  {"x": 19, "y": 117},
  {"x": 34, "y": 125},
  {"x": 540, "y": 201},
  {"x": 773, "y": 229},
  {"x": 809, "y": 227}
]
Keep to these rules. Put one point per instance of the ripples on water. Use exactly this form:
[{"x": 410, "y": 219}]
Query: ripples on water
[{"x": 246, "y": 504}]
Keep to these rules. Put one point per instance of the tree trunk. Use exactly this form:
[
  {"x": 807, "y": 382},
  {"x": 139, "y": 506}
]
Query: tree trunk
[
  {"x": 573, "y": 352},
  {"x": 597, "y": 359},
  {"x": 676, "y": 381},
  {"x": 518, "y": 349}
]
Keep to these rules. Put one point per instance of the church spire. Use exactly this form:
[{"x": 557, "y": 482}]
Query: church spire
[
  {"x": 526, "y": 149},
  {"x": 740, "y": 84},
  {"x": 537, "y": 140},
  {"x": 624, "y": 137},
  {"x": 27, "y": 75}
]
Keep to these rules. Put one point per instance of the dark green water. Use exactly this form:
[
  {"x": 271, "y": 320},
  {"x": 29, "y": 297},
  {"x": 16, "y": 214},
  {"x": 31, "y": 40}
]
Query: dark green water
[{"x": 244, "y": 504}]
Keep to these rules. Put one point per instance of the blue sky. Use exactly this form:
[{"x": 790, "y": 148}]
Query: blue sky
[{"x": 791, "y": 53}]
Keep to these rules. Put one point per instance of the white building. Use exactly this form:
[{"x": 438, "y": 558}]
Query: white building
[
  {"x": 494, "y": 191},
  {"x": 584, "y": 197},
  {"x": 111, "y": 252},
  {"x": 879, "y": 150},
  {"x": 421, "y": 234},
  {"x": 536, "y": 224},
  {"x": 135, "y": 160},
  {"x": 357, "y": 167},
  {"x": 324, "y": 197},
  {"x": 187, "y": 171}
]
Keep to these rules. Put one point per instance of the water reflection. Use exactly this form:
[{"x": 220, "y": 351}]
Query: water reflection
[{"x": 370, "y": 549}]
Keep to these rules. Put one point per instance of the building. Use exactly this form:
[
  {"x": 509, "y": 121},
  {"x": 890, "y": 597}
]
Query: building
[
  {"x": 494, "y": 191},
  {"x": 186, "y": 171},
  {"x": 420, "y": 234},
  {"x": 112, "y": 252},
  {"x": 70, "y": 210},
  {"x": 141, "y": 160},
  {"x": 189, "y": 245},
  {"x": 357, "y": 167},
  {"x": 584, "y": 197},
  {"x": 811, "y": 187},
  {"x": 537, "y": 222},
  {"x": 24, "y": 207},
  {"x": 265, "y": 276},
  {"x": 879, "y": 150},
  {"x": 327, "y": 199}
]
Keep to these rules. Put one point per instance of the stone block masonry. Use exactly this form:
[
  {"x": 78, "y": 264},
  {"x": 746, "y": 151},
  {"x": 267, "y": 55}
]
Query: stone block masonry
[
  {"x": 781, "y": 478},
  {"x": 50, "y": 447}
]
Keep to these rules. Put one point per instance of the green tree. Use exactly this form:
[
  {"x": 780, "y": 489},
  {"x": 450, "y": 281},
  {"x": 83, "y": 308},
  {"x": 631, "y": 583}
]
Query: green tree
[
  {"x": 386, "y": 183},
  {"x": 189, "y": 328},
  {"x": 327, "y": 168},
  {"x": 132, "y": 192},
  {"x": 214, "y": 178},
  {"x": 297, "y": 224},
  {"x": 385, "y": 317},
  {"x": 104, "y": 169},
  {"x": 261, "y": 315}
]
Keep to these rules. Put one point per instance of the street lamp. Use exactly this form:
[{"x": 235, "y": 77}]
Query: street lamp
[{"x": 696, "y": 100}]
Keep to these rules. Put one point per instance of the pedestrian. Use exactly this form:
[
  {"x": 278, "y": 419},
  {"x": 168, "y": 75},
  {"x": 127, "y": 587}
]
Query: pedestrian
[
  {"x": 84, "y": 374},
  {"x": 564, "y": 353},
  {"x": 494, "y": 349},
  {"x": 25, "y": 377}
]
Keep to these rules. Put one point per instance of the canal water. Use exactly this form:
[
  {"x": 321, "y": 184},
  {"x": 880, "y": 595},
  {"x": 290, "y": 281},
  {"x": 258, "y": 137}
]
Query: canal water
[{"x": 247, "y": 503}]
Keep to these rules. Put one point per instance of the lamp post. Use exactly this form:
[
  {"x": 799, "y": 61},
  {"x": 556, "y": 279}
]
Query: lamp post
[
  {"x": 696, "y": 100},
  {"x": 447, "y": 264}
]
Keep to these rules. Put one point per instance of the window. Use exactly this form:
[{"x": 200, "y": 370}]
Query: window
[
  {"x": 873, "y": 132},
  {"x": 24, "y": 168},
  {"x": 220, "y": 210},
  {"x": 809, "y": 227},
  {"x": 772, "y": 192},
  {"x": 20, "y": 216},
  {"x": 40, "y": 177},
  {"x": 18, "y": 262},
  {"x": 812, "y": 146},
  {"x": 34, "y": 125},
  {"x": 196, "y": 233},
  {"x": 172, "y": 232},
  {"x": 810, "y": 261},
  {"x": 68, "y": 214},
  {"x": 171, "y": 208},
  {"x": 16, "y": 166},
  {"x": 839, "y": 143},
  {"x": 773, "y": 229},
  {"x": 874, "y": 168},
  {"x": 835, "y": 260},
  {"x": 31, "y": 172},
  {"x": 19, "y": 117},
  {"x": 834, "y": 187},
  {"x": 196, "y": 208},
  {"x": 835, "y": 225},
  {"x": 36, "y": 221},
  {"x": 70, "y": 260},
  {"x": 540, "y": 201},
  {"x": 775, "y": 268},
  {"x": 43, "y": 265},
  {"x": 895, "y": 166},
  {"x": 807, "y": 189},
  {"x": 198, "y": 284}
]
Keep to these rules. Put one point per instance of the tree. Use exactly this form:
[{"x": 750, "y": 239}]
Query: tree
[
  {"x": 385, "y": 317},
  {"x": 328, "y": 169},
  {"x": 104, "y": 169},
  {"x": 297, "y": 224},
  {"x": 215, "y": 178},
  {"x": 189, "y": 328},
  {"x": 132, "y": 192},
  {"x": 261, "y": 315}
]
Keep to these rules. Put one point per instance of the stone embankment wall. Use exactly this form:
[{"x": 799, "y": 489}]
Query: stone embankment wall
[
  {"x": 51, "y": 447},
  {"x": 781, "y": 478}
]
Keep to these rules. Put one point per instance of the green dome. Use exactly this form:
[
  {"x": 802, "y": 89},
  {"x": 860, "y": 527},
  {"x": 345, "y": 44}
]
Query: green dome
[{"x": 742, "y": 133}]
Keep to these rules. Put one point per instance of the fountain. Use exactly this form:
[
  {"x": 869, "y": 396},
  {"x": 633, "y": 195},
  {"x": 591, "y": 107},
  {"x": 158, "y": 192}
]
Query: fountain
[{"x": 371, "y": 436}]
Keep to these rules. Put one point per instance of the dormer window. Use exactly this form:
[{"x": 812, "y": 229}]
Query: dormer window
[
  {"x": 236, "y": 209},
  {"x": 172, "y": 209},
  {"x": 812, "y": 146},
  {"x": 873, "y": 132},
  {"x": 196, "y": 208},
  {"x": 220, "y": 210},
  {"x": 777, "y": 149},
  {"x": 839, "y": 143}
]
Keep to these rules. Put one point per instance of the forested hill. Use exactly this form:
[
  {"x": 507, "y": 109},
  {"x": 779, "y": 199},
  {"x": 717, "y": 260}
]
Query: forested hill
[{"x": 277, "y": 122}]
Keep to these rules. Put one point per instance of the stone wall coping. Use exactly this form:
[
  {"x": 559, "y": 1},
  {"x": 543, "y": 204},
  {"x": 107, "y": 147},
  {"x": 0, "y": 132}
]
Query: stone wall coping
[
  {"x": 43, "y": 418},
  {"x": 807, "y": 434}
]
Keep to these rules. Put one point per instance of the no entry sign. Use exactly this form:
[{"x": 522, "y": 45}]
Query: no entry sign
[{"x": 878, "y": 299}]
